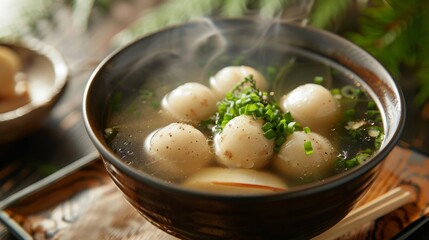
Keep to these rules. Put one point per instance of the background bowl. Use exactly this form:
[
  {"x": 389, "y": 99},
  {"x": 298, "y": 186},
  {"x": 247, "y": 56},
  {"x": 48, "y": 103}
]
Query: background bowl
[
  {"x": 46, "y": 73},
  {"x": 300, "y": 213}
]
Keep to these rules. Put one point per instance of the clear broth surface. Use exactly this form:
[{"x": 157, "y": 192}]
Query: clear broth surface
[{"x": 134, "y": 109}]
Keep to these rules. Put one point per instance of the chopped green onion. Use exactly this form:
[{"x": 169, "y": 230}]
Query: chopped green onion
[
  {"x": 350, "y": 92},
  {"x": 371, "y": 105},
  {"x": 254, "y": 97},
  {"x": 306, "y": 129},
  {"x": 280, "y": 140},
  {"x": 335, "y": 91},
  {"x": 349, "y": 113},
  {"x": 361, "y": 158},
  {"x": 222, "y": 108},
  {"x": 288, "y": 117},
  {"x": 282, "y": 125},
  {"x": 372, "y": 112},
  {"x": 368, "y": 151},
  {"x": 110, "y": 133},
  {"x": 291, "y": 127},
  {"x": 378, "y": 119},
  {"x": 246, "y": 99},
  {"x": 229, "y": 115},
  {"x": 269, "y": 115},
  {"x": 318, "y": 80},
  {"x": 267, "y": 126},
  {"x": 350, "y": 163},
  {"x": 242, "y": 111},
  {"x": 378, "y": 141},
  {"x": 339, "y": 162},
  {"x": 224, "y": 122},
  {"x": 308, "y": 148},
  {"x": 259, "y": 112},
  {"x": 270, "y": 134},
  {"x": 252, "y": 107}
]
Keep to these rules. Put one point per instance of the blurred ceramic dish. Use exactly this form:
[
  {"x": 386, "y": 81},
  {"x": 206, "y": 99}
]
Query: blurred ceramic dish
[{"x": 45, "y": 72}]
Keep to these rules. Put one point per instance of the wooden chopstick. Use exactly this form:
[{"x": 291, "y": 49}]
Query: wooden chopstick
[{"x": 378, "y": 207}]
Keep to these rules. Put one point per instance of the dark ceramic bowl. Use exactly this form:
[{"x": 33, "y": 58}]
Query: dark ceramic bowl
[{"x": 300, "y": 213}]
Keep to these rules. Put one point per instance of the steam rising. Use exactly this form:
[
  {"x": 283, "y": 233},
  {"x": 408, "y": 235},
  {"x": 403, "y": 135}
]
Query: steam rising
[
  {"x": 204, "y": 41},
  {"x": 175, "y": 12},
  {"x": 199, "y": 49}
]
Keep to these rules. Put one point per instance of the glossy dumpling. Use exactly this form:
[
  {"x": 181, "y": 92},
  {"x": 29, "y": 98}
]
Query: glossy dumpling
[
  {"x": 242, "y": 144},
  {"x": 235, "y": 181},
  {"x": 226, "y": 78},
  {"x": 293, "y": 163},
  {"x": 312, "y": 105},
  {"x": 177, "y": 150},
  {"x": 190, "y": 102}
]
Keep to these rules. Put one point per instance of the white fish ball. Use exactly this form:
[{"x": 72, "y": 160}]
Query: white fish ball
[
  {"x": 312, "y": 105},
  {"x": 242, "y": 144},
  {"x": 294, "y": 163},
  {"x": 177, "y": 150},
  {"x": 226, "y": 78},
  {"x": 190, "y": 102},
  {"x": 235, "y": 181}
]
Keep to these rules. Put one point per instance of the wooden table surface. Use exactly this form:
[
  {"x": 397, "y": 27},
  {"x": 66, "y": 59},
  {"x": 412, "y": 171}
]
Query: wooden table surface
[{"x": 87, "y": 205}]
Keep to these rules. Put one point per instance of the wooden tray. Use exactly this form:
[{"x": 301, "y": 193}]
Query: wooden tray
[{"x": 82, "y": 202}]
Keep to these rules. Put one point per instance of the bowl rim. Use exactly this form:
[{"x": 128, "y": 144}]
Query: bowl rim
[
  {"x": 61, "y": 72},
  {"x": 306, "y": 189}
]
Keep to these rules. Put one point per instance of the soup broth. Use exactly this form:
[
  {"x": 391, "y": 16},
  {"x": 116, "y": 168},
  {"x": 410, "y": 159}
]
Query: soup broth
[{"x": 135, "y": 111}]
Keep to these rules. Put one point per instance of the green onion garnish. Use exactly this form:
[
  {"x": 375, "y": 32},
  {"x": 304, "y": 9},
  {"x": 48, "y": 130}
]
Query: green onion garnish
[
  {"x": 307, "y": 130},
  {"x": 267, "y": 126},
  {"x": 246, "y": 99},
  {"x": 280, "y": 140},
  {"x": 318, "y": 80},
  {"x": 349, "y": 113},
  {"x": 308, "y": 148},
  {"x": 350, "y": 92},
  {"x": 335, "y": 91},
  {"x": 270, "y": 134},
  {"x": 372, "y": 112},
  {"x": 110, "y": 133},
  {"x": 371, "y": 105}
]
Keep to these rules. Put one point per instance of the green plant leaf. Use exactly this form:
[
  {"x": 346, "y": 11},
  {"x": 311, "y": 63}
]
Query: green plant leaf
[
  {"x": 396, "y": 33},
  {"x": 327, "y": 10}
]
